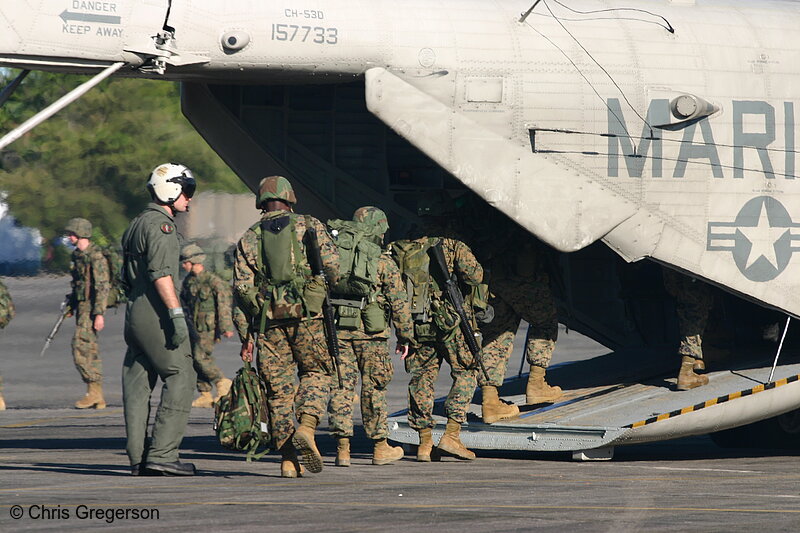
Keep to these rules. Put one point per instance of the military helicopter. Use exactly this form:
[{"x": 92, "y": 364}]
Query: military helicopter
[{"x": 625, "y": 135}]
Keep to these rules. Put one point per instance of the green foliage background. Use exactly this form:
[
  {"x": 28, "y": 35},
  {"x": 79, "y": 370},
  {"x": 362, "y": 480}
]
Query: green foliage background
[{"x": 93, "y": 158}]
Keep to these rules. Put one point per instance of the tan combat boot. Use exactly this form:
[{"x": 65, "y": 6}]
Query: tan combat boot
[
  {"x": 223, "y": 386},
  {"x": 538, "y": 391},
  {"x": 494, "y": 409},
  {"x": 290, "y": 466},
  {"x": 451, "y": 442},
  {"x": 343, "y": 451},
  {"x": 698, "y": 364},
  {"x": 303, "y": 440},
  {"x": 687, "y": 379},
  {"x": 425, "y": 445},
  {"x": 383, "y": 454},
  {"x": 93, "y": 397},
  {"x": 2, "y": 403},
  {"x": 204, "y": 400}
]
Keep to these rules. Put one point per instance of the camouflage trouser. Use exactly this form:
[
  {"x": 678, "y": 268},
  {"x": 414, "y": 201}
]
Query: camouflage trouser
[
  {"x": 693, "y": 300},
  {"x": 85, "y": 351},
  {"x": 282, "y": 352},
  {"x": 513, "y": 301},
  {"x": 423, "y": 365},
  {"x": 207, "y": 370},
  {"x": 369, "y": 358}
]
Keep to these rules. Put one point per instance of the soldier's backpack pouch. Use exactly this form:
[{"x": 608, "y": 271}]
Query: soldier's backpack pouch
[
  {"x": 358, "y": 257},
  {"x": 241, "y": 419},
  {"x": 282, "y": 287},
  {"x": 314, "y": 294},
  {"x": 374, "y": 318}
]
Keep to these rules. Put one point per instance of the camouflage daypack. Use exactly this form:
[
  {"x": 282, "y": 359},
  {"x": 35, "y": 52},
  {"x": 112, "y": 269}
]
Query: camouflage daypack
[
  {"x": 7, "y": 311},
  {"x": 116, "y": 292},
  {"x": 241, "y": 419},
  {"x": 434, "y": 317}
]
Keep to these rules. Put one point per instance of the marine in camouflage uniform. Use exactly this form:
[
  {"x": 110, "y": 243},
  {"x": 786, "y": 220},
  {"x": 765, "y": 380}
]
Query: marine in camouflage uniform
[
  {"x": 367, "y": 355},
  {"x": 7, "y": 312},
  {"x": 90, "y": 287},
  {"x": 519, "y": 290},
  {"x": 287, "y": 346},
  {"x": 207, "y": 302},
  {"x": 424, "y": 363},
  {"x": 693, "y": 301}
]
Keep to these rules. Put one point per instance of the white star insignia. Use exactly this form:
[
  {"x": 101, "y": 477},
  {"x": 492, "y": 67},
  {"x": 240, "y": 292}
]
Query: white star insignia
[{"x": 761, "y": 239}]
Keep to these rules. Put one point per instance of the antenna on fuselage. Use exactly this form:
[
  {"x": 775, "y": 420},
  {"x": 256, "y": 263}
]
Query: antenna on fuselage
[{"x": 523, "y": 16}]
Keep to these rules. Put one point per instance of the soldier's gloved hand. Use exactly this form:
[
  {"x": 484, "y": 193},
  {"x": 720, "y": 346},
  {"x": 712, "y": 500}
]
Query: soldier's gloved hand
[{"x": 180, "y": 331}]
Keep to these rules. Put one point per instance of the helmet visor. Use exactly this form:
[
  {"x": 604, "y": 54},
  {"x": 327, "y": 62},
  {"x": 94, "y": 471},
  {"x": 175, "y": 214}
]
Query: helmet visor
[{"x": 187, "y": 183}]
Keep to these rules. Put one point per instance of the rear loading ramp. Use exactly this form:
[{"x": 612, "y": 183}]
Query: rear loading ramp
[{"x": 625, "y": 398}]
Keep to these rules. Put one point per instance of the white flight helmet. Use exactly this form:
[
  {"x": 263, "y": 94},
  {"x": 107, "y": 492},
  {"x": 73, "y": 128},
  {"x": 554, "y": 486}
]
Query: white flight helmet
[{"x": 169, "y": 180}]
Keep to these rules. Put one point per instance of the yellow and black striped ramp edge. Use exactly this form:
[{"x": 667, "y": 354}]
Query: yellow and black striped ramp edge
[{"x": 715, "y": 401}]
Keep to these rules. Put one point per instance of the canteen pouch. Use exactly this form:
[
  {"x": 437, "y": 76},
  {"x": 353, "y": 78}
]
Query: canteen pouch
[
  {"x": 374, "y": 318},
  {"x": 314, "y": 294},
  {"x": 445, "y": 318}
]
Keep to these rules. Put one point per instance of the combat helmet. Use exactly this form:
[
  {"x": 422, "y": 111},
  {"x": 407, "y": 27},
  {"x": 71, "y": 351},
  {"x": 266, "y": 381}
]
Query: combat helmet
[
  {"x": 373, "y": 217},
  {"x": 81, "y": 227},
  {"x": 275, "y": 188},
  {"x": 193, "y": 253}
]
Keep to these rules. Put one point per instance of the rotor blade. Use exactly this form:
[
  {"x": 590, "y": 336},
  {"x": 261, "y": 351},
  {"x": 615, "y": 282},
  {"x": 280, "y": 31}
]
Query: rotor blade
[
  {"x": 11, "y": 87},
  {"x": 57, "y": 106}
]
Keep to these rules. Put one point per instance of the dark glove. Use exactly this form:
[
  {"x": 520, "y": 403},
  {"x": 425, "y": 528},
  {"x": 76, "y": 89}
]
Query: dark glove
[{"x": 180, "y": 331}]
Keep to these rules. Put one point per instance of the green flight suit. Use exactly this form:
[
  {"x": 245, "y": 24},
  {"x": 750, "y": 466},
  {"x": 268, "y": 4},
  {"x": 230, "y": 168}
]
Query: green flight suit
[{"x": 151, "y": 247}]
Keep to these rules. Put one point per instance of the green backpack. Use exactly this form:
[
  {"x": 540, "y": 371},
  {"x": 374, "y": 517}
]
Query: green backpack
[
  {"x": 358, "y": 257},
  {"x": 355, "y": 294},
  {"x": 434, "y": 317},
  {"x": 241, "y": 419},
  {"x": 116, "y": 293},
  {"x": 282, "y": 270}
]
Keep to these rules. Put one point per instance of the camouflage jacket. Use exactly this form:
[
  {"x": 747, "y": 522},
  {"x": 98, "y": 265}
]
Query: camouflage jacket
[
  {"x": 7, "y": 311},
  {"x": 392, "y": 297},
  {"x": 207, "y": 300},
  {"x": 460, "y": 259},
  {"x": 90, "y": 279},
  {"x": 246, "y": 259}
]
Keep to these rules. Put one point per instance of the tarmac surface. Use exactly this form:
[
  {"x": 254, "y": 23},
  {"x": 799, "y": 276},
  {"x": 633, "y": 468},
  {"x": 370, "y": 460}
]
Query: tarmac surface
[{"x": 64, "y": 469}]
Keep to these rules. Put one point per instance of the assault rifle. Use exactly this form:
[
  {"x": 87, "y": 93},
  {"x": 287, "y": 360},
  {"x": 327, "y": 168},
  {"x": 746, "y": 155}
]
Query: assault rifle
[
  {"x": 328, "y": 320},
  {"x": 456, "y": 299},
  {"x": 62, "y": 314}
]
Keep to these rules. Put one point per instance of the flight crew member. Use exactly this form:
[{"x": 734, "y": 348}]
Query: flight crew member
[
  {"x": 364, "y": 348},
  {"x": 693, "y": 301},
  {"x": 7, "y": 313},
  {"x": 90, "y": 287},
  {"x": 155, "y": 327},
  {"x": 272, "y": 259},
  {"x": 207, "y": 303},
  {"x": 437, "y": 339}
]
